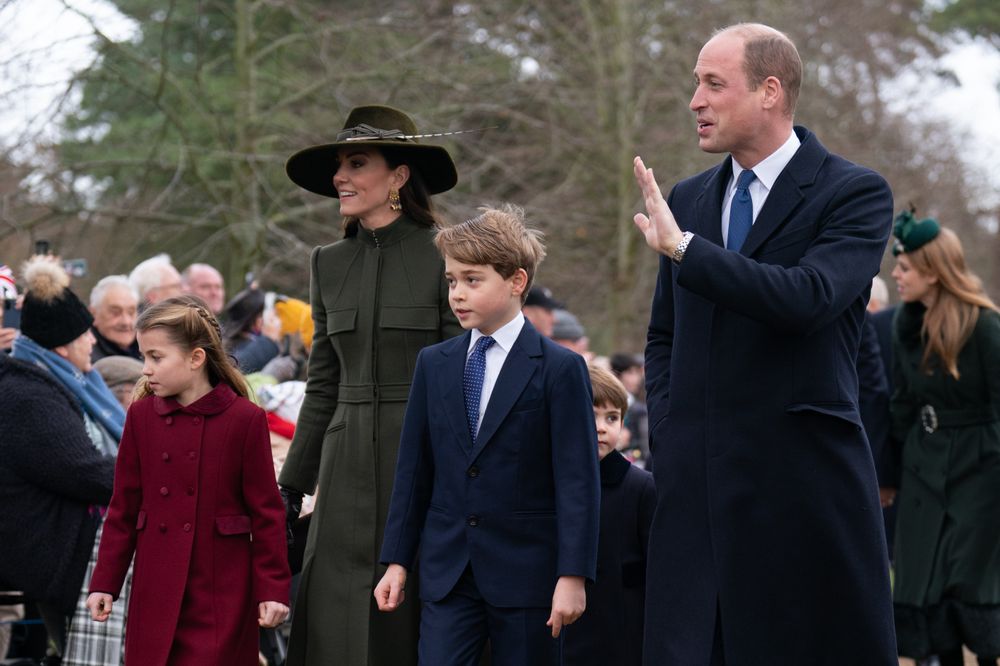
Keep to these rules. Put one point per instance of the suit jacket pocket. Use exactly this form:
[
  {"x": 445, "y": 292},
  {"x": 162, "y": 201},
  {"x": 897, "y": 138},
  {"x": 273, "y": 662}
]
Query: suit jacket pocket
[
  {"x": 841, "y": 410},
  {"x": 231, "y": 525},
  {"x": 410, "y": 317},
  {"x": 339, "y": 321},
  {"x": 786, "y": 238}
]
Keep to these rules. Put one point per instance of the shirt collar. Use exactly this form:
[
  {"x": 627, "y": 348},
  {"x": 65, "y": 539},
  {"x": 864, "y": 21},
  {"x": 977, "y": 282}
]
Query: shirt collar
[
  {"x": 768, "y": 169},
  {"x": 505, "y": 336}
]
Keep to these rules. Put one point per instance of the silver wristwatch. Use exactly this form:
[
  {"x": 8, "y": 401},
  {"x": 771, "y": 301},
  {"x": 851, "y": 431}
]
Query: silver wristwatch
[{"x": 682, "y": 247}]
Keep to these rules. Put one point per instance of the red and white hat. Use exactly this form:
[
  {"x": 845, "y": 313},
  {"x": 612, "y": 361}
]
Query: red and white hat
[{"x": 8, "y": 288}]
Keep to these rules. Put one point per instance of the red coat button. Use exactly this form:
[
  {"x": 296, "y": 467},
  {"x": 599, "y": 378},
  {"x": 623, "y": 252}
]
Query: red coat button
[
  {"x": 197, "y": 420},
  {"x": 170, "y": 420},
  {"x": 164, "y": 491},
  {"x": 190, "y": 490},
  {"x": 163, "y": 527},
  {"x": 166, "y": 456},
  {"x": 187, "y": 527},
  {"x": 192, "y": 455}
]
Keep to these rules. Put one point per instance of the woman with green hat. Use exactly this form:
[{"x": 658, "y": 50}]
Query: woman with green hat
[
  {"x": 378, "y": 297},
  {"x": 946, "y": 410}
]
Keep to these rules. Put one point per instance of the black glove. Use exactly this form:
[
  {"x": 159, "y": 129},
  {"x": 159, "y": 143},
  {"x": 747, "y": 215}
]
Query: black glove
[{"x": 292, "y": 499}]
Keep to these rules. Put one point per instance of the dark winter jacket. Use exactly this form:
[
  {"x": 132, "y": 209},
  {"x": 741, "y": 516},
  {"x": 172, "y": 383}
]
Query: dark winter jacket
[
  {"x": 50, "y": 476},
  {"x": 610, "y": 631}
]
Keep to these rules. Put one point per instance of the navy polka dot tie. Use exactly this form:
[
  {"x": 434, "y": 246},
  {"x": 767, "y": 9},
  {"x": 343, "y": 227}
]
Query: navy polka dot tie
[
  {"x": 472, "y": 382},
  {"x": 741, "y": 212}
]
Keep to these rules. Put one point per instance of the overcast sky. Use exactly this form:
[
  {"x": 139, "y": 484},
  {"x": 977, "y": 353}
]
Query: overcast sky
[{"x": 53, "y": 41}]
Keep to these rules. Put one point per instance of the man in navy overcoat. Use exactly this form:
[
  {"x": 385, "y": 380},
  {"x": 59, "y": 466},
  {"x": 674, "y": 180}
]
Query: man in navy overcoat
[{"x": 767, "y": 545}]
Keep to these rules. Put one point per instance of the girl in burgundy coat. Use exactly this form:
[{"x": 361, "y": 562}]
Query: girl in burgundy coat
[{"x": 196, "y": 500}]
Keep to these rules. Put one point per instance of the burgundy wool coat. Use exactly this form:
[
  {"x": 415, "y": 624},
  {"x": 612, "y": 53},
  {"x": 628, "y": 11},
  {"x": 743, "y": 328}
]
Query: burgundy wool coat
[{"x": 196, "y": 500}]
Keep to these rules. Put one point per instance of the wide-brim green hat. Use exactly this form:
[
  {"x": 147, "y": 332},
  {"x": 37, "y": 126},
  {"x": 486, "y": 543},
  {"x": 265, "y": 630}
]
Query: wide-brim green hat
[{"x": 382, "y": 126}]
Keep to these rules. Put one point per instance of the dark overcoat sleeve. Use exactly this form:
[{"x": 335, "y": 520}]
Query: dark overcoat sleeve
[
  {"x": 833, "y": 271},
  {"x": 301, "y": 468}
]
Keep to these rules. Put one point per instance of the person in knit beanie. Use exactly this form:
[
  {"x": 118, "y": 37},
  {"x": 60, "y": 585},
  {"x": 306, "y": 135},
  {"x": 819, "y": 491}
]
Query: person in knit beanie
[{"x": 56, "y": 336}]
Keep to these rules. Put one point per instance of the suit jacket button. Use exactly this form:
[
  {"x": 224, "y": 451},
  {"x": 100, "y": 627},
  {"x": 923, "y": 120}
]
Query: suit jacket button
[
  {"x": 166, "y": 456},
  {"x": 164, "y": 491},
  {"x": 163, "y": 527},
  {"x": 192, "y": 455},
  {"x": 187, "y": 527},
  {"x": 197, "y": 420},
  {"x": 170, "y": 420},
  {"x": 473, "y": 472},
  {"x": 473, "y": 521},
  {"x": 190, "y": 490}
]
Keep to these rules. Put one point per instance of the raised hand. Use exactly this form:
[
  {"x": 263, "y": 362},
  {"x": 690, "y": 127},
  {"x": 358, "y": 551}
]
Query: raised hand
[{"x": 657, "y": 224}]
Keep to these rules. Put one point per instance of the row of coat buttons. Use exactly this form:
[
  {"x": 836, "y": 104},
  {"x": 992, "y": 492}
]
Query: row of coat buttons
[
  {"x": 186, "y": 527},
  {"x": 166, "y": 456},
  {"x": 196, "y": 420},
  {"x": 166, "y": 491}
]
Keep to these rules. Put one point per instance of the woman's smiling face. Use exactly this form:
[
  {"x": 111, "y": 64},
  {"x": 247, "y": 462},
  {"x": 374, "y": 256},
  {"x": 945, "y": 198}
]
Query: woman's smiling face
[{"x": 363, "y": 180}]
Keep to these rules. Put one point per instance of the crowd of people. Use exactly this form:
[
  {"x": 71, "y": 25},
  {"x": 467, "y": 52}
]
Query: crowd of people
[{"x": 427, "y": 464}]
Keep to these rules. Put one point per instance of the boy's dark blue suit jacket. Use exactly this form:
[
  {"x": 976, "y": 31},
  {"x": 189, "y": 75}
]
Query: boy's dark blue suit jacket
[{"x": 522, "y": 503}]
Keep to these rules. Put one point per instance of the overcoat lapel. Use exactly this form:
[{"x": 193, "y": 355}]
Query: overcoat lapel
[
  {"x": 800, "y": 172},
  {"x": 524, "y": 359},
  {"x": 709, "y": 204},
  {"x": 452, "y": 369}
]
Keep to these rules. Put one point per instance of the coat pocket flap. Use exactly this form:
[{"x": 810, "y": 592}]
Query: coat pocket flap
[
  {"x": 416, "y": 317},
  {"x": 840, "y": 410},
  {"x": 140, "y": 521},
  {"x": 341, "y": 320},
  {"x": 230, "y": 525}
]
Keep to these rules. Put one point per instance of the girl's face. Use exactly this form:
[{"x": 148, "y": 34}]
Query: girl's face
[
  {"x": 171, "y": 370},
  {"x": 911, "y": 284},
  {"x": 363, "y": 180}
]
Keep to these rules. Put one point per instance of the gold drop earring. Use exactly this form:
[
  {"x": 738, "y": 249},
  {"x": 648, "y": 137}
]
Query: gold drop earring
[{"x": 394, "y": 203}]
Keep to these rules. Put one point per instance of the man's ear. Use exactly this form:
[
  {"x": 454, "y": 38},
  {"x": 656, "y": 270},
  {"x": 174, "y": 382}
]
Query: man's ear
[
  {"x": 774, "y": 93},
  {"x": 62, "y": 350},
  {"x": 198, "y": 358}
]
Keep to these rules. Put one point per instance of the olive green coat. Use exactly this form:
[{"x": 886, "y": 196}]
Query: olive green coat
[
  {"x": 947, "y": 585},
  {"x": 378, "y": 298}
]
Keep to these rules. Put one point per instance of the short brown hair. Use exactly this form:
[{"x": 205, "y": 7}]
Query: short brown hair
[
  {"x": 496, "y": 237},
  {"x": 769, "y": 52},
  {"x": 608, "y": 389}
]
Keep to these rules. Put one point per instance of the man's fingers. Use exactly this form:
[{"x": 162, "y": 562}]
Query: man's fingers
[{"x": 555, "y": 621}]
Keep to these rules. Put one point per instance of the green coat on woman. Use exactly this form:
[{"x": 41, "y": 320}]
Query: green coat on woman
[
  {"x": 947, "y": 587},
  {"x": 378, "y": 298}
]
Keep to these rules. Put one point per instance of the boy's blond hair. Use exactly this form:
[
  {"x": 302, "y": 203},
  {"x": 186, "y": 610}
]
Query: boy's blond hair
[
  {"x": 608, "y": 389},
  {"x": 496, "y": 237}
]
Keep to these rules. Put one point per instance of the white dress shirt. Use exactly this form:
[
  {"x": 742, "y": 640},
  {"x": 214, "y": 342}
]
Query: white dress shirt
[
  {"x": 504, "y": 338},
  {"x": 767, "y": 171}
]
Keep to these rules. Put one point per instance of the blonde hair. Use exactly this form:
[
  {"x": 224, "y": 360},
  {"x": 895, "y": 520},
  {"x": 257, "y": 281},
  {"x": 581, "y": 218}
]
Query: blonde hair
[
  {"x": 951, "y": 317},
  {"x": 608, "y": 389},
  {"x": 190, "y": 324},
  {"x": 497, "y": 237}
]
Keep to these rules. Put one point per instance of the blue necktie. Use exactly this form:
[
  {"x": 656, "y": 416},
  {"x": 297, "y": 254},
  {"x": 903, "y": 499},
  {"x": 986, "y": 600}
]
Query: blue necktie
[
  {"x": 740, "y": 212},
  {"x": 472, "y": 382}
]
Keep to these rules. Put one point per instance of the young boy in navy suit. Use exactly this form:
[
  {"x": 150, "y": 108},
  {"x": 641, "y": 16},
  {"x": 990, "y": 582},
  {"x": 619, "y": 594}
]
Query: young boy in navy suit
[
  {"x": 611, "y": 630},
  {"x": 497, "y": 476}
]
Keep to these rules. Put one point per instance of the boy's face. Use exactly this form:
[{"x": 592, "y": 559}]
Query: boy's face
[
  {"x": 608, "y": 420},
  {"x": 480, "y": 297}
]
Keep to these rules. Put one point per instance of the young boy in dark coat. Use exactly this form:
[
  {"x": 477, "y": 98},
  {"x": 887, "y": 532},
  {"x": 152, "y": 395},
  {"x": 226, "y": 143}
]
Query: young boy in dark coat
[
  {"x": 610, "y": 632},
  {"x": 497, "y": 477}
]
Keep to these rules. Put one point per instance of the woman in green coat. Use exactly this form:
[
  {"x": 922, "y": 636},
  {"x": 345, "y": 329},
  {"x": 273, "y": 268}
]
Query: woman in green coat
[
  {"x": 945, "y": 409},
  {"x": 378, "y": 297}
]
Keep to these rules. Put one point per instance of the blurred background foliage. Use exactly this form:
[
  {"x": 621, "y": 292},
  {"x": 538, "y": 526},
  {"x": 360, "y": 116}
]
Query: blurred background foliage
[{"x": 175, "y": 138}]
